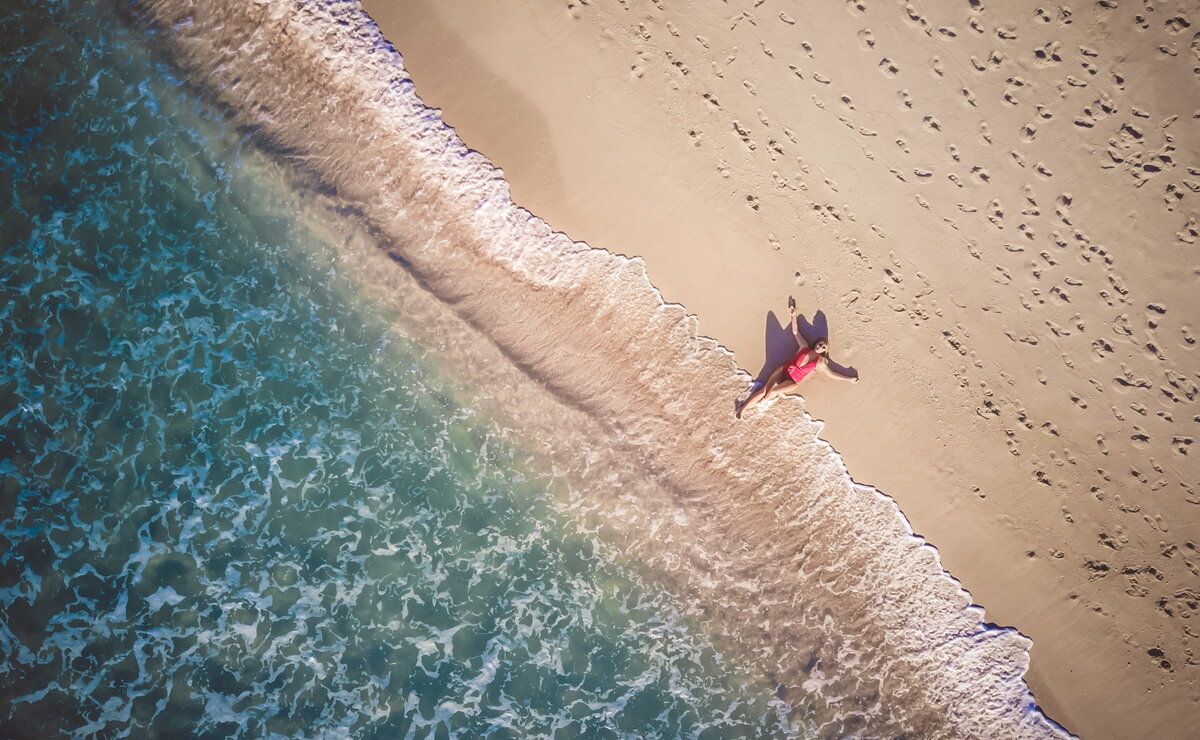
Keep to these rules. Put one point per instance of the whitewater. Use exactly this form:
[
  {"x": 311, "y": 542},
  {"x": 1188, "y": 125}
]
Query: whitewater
[{"x": 811, "y": 584}]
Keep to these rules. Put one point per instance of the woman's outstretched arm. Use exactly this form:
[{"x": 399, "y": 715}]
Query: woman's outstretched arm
[
  {"x": 836, "y": 374},
  {"x": 796, "y": 329}
]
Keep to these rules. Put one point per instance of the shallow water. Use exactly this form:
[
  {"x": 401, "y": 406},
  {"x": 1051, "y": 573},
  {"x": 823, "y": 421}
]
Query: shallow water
[{"x": 235, "y": 502}]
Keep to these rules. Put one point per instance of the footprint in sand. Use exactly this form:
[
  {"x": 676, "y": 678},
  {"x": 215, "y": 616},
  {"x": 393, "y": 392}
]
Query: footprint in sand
[
  {"x": 1063, "y": 209},
  {"x": 638, "y": 68},
  {"x": 913, "y": 18},
  {"x": 1047, "y": 54},
  {"x": 866, "y": 39},
  {"x": 995, "y": 212},
  {"x": 677, "y": 64},
  {"x": 1191, "y": 230},
  {"x": 783, "y": 183},
  {"x": 1177, "y": 24},
  {"x": 744, "y": 135}
]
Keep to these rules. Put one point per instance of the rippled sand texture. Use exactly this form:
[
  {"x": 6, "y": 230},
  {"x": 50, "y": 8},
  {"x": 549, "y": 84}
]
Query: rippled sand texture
[
  {"x": 994, "y": 205},
  {"x": 818, "y": 580}
]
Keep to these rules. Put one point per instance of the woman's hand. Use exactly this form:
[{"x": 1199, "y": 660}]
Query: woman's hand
[{"x": 792, "y": 309}]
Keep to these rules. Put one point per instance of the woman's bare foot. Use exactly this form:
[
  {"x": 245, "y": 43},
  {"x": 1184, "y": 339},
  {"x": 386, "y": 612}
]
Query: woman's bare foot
[{"x": 740, "y": 406}]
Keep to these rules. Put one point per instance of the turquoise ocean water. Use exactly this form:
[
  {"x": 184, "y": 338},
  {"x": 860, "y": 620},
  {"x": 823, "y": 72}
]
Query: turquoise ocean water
[{"x": 233, "y": 503}]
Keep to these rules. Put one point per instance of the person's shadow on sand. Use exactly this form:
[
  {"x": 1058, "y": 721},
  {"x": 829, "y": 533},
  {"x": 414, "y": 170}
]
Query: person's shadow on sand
[{"x": 781, "y": 345}]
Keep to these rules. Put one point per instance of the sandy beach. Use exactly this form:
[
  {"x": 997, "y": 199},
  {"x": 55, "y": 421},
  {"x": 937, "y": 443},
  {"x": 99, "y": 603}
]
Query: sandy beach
[{"x": 991, "y": 211}]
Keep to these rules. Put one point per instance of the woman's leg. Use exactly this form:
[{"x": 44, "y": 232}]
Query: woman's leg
[
  {"x": 782, "y": 388},
  {"x": 761, "y": 392}
]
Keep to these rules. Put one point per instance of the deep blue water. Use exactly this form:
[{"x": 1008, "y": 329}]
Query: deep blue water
[{"x": 233, "y": 503}]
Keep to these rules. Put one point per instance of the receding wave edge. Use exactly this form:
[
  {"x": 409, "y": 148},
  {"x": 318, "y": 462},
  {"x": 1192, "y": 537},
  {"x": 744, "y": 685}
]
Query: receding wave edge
[{"x": 822, "y": 579}]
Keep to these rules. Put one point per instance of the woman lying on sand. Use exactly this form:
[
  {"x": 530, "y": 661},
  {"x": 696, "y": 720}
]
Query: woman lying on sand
[{"x": 797, "y": 369}]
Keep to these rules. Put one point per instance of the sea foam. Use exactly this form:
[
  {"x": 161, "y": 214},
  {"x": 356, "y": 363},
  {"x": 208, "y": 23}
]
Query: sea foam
[{"x": 759, "y": 527}]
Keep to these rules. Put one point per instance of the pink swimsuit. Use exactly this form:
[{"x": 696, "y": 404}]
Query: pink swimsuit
[{"x": 797, "y": 370}]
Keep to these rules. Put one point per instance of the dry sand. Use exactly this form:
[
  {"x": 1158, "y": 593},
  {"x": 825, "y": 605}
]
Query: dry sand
[{"x": 993, "y": 209}]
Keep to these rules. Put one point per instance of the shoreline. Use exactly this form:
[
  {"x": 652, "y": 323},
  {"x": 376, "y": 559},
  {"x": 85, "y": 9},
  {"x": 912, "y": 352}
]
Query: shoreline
[{"x": 932, "y": 429}]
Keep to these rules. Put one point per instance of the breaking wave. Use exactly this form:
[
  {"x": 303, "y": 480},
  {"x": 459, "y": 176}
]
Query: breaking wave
[{"x": 758, "y": 528}]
